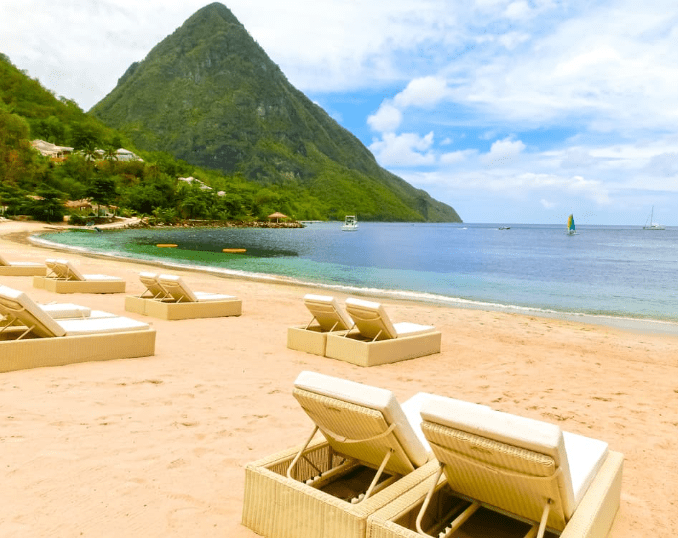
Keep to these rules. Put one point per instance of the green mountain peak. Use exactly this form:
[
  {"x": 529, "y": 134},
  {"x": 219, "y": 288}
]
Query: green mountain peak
[{"x": 210, "y": 95}]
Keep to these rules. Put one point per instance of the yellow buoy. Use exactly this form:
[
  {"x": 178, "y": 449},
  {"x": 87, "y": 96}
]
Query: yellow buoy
[
  {"x": 235, "y": 250},
  {"x": 166, "y": 245}
]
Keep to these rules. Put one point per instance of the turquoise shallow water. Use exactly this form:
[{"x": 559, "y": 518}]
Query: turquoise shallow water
[{"x": 604, "y": 270}]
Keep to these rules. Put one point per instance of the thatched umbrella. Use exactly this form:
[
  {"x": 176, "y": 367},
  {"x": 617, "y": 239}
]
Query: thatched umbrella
[{"x": 277, "y": 216}]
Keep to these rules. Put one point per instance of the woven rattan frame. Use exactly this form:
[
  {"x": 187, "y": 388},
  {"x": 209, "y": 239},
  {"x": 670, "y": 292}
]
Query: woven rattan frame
[
  {"x": 278, "y": 507},
  {"x": 593, "y": 517}
]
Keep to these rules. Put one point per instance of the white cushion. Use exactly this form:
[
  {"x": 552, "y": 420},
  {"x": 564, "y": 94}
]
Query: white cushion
[
  {"x": 522, "y": 432},
  {"x": 203, "y": 296},
  {"x": 405, "y": 328},
  {"x": 585, "y": 456},
  {"x": 177, "y": 288},
  {"x": 66, "y": 310},
  {"x": 412, "y": 409},
  {"x": 381, "y": 400},
  {"x": 370, "y": 318},
  {"x": 327, "y": 312},
  {"x": 97, "y": 278},
  {"x": 19, "y": 304},
  {"x": 75, "y": 327}
]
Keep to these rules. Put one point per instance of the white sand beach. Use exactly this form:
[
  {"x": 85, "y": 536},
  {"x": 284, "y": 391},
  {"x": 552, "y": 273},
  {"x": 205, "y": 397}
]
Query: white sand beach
[{"x": 156, "y": 446}]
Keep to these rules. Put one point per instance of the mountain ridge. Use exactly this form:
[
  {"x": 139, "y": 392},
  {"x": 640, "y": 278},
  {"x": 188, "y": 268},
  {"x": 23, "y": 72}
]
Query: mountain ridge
[{"x": 210, "y": 95}]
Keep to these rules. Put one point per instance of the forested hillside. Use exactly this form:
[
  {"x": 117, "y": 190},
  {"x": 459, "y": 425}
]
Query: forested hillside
[{"x": 209, "y": 94}]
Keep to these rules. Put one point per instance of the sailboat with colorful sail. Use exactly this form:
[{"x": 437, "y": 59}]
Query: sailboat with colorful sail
[{"x": 570, "y": 226}]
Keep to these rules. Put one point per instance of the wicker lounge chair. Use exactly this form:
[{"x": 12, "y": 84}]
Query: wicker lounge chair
[
  {"x": 378, "y": 340},
  {"x": 369, "y": 455},
  {"x": 8, "y": 268},
  {"x": 328, "y": 316},
  {"x": 540, "y": 479},
  {"x": 31, "y": 338},
  {"x": 169, "y": 297},
  {"x": 64, "y": 277}
]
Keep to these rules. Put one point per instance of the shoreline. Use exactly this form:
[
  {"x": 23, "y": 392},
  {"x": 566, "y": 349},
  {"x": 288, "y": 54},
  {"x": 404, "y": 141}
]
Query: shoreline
[
  {"x": 159, "y": 444},
  {"x": 639, "y": 325}
]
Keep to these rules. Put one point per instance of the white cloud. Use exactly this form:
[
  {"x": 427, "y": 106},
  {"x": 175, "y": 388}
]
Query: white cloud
[
  {"x": 455, "y": 157},
  {"x": 546, "y": 204},
  {"x": 511, "y": 40},
  {"x": 517, "y": 10},
  {"x": 407, "y": 149},
  {"x": 422, "y": 92},
  {"x": 386, "y": 120},
  {"x": 503, "y": 151}
]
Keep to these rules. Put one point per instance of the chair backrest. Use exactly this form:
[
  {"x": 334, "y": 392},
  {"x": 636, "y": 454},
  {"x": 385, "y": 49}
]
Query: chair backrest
[
  {"x": 345, "y": 410},
  {"x": 20, "y": 306},
  {"x": 371, "y": 319},
  {"x": 63, "y": 269},
  {"x": 514, "y": 463},
  {"x": 327, "y": 312},
  {"x": 153, "y": 285},
  {"x": 177, "y": 288}
]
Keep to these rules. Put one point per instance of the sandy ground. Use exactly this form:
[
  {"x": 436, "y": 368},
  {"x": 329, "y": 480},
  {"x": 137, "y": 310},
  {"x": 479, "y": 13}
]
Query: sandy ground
[{"x": 156, "y": 446}]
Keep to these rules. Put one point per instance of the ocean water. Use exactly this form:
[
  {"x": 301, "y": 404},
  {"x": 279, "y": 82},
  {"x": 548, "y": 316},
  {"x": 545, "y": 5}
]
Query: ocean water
[{"x": 622, "y": 272}]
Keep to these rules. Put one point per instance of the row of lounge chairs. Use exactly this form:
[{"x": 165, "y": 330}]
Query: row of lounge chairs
[
  {"x": 434, "y": 467},
  {"x": 362, "y": 334}
]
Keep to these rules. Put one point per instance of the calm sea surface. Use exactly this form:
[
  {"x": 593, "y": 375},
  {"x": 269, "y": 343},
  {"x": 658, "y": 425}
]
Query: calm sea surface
[{"x": 624, "y": 272}]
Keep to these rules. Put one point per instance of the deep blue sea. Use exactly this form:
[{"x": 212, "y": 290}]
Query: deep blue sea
[{"x": 623, "y": 272}]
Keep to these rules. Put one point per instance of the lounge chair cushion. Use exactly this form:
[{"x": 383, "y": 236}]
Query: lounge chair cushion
[
  {"x": 327, "y": 312},
  {"x": 29, "y": 313},
  {"x": 585, "y": 457},
  {"x": 180, "y": 291},
  {"x": 65, "y": 269},
  {"x": 405, "y": 328},
  {"x": 375, "y": 398},
  {"x": 373, "y": 321},
  {"x": 515, "y": 431},
  {"x": 75, "y": 327},
  {"x": 413, "y": 406},
  {"x": 153, "y": 286},
  {"x": 5, "y": 263},
  {"x": 204, "y": 296},
  {"x": 66, "y": 310}
]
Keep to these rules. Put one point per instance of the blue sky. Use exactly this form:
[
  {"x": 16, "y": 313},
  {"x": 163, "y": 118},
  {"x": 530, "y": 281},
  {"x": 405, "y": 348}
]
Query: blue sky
[{"x": 511, "y": 111}]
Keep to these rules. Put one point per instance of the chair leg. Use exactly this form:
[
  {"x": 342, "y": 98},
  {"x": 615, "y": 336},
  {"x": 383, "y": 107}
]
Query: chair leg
[
  {"x": 296, "y": 458},
  {"x": 427, "y": 500},
  {"x": 461, "y": 519},
  {"x": 376, "y": 476}
]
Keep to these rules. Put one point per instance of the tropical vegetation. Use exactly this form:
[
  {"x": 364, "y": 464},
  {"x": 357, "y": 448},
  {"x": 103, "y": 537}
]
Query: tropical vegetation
[{"x": 206, "y": 103}]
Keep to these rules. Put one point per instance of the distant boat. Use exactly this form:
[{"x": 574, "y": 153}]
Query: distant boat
[
  {"x": 570, "y": 226},
  {"x": 504, "y": 228},
  {"x": 651, "y": 225},
  {"x": 350, "y": 223}
]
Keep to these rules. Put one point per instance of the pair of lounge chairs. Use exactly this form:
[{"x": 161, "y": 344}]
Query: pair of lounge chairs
[
  {"x": 169, "y": 297},
  {"x": 433, "y": 467},
  {"x": 33, "y": 336},
  {"x": 64, "y": 277},
  {"x": 8, "y": 268},
  {"x": 363, "y": 335}
]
